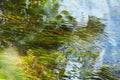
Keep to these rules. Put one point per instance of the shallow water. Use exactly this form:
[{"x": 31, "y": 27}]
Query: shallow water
[{"x": 110, "y": 45}]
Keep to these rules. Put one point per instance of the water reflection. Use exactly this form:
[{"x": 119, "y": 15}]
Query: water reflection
[{"x": 108, "y": 47}]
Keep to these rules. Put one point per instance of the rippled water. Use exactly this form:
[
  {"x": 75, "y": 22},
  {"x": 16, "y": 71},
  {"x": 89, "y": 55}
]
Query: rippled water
[{"x": 110, "y": 49}]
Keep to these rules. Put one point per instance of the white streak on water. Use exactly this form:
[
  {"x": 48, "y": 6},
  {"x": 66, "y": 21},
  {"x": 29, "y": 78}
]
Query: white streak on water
[
  {"x": 1, "y": 12},
  {"x": 99, "y": 60},
  {"x": 27, "y": 3}
]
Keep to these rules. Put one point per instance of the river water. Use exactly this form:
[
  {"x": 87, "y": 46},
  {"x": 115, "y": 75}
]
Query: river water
[
  {"x": 80, "y": 63},
  {"x": 110, "y": 46}
]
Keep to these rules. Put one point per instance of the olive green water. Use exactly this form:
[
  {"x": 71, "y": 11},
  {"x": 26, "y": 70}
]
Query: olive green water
[{"x": 59, "y": 40}]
